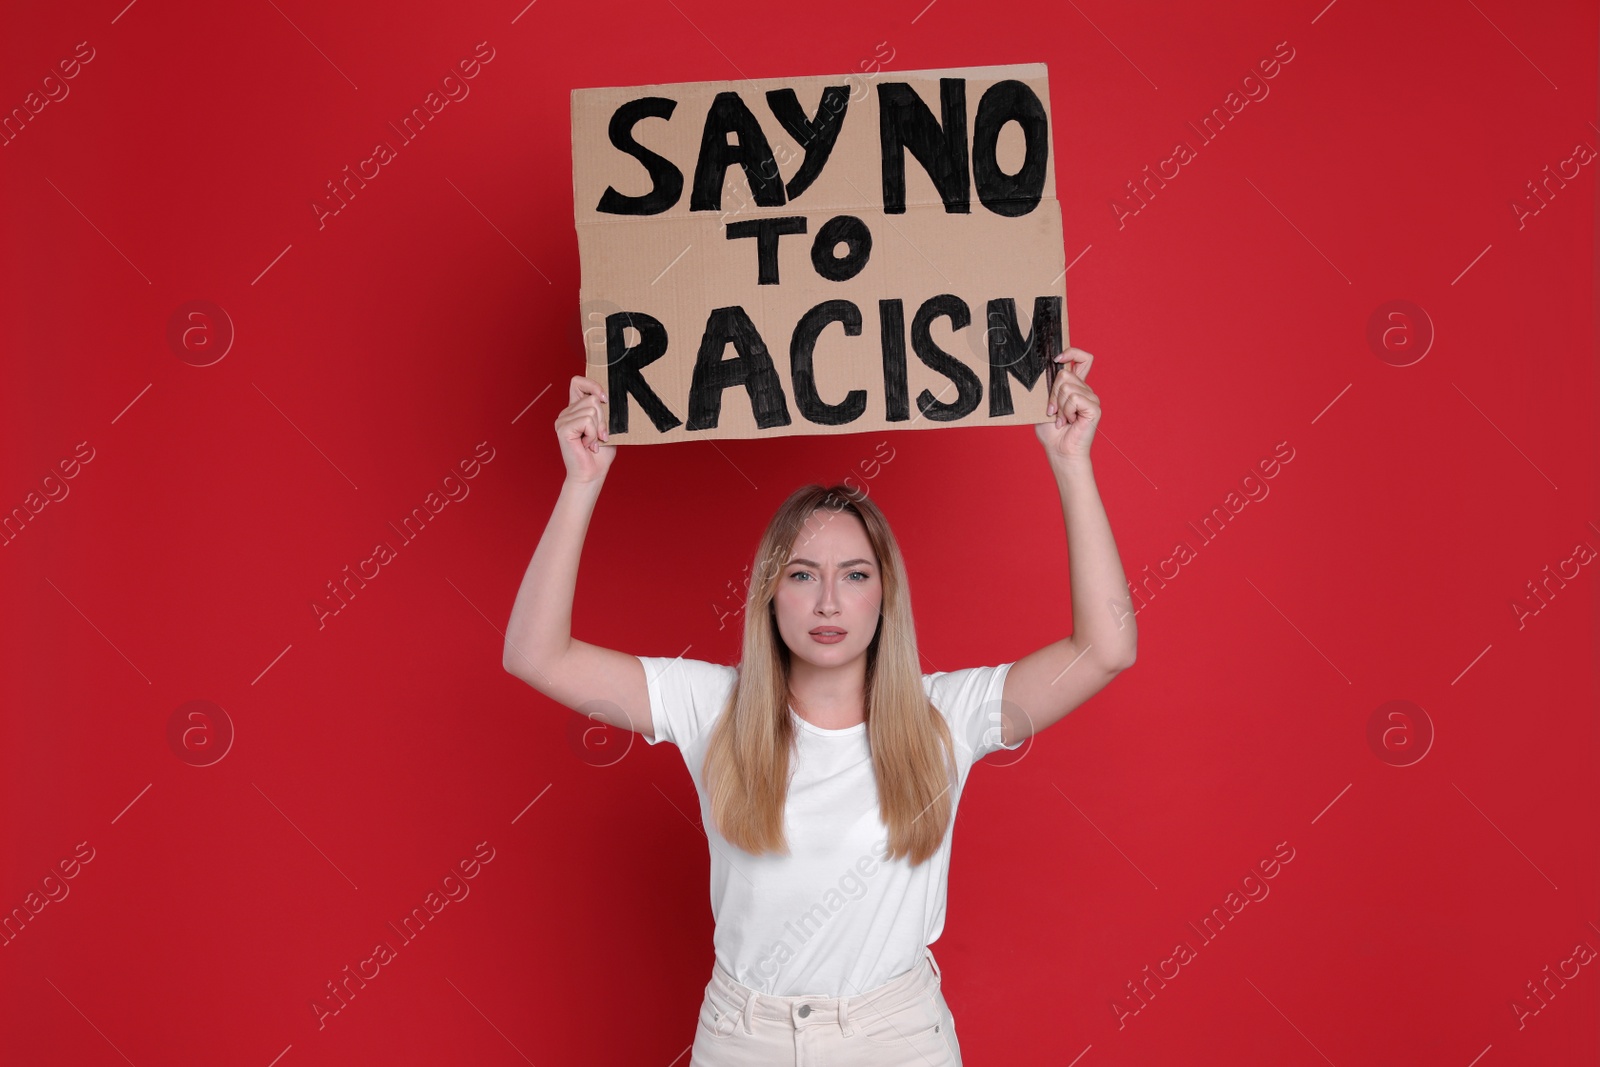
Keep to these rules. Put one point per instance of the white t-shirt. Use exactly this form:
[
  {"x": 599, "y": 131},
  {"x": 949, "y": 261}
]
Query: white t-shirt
[{"x": 831, "y": 918}]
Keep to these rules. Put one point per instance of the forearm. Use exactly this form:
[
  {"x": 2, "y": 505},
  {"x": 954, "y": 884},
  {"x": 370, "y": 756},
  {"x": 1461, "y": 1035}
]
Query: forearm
[
  {"x": 540, "y": 629},
  {"x": 1102, "y": 612}
]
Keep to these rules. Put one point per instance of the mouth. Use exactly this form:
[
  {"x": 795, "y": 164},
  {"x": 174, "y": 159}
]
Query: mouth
[{"x": 828, "y": 631}]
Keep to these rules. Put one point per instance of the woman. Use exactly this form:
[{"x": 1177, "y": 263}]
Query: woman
[{"x": 828, "y": 766}]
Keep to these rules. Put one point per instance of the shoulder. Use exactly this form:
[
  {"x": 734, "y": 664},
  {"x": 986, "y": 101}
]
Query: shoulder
[
  {"x": 680, "y": 671},
  {"x": 686, "y": 695},
  {"x": 966, "y": 686},
  {"x": 971, "y": 700}
]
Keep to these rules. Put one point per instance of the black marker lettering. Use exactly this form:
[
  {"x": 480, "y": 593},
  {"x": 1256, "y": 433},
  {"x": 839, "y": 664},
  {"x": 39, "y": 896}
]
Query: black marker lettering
[
  {"x": 816, "y": 135},
  {"x": 766, "y": 232},
  {"x": 751, "y": 368},
  {"x": 801, "y": 349},
  {"x": 969, "y": 390},
  {"x": 666, "y": 179},
  {"x": 623, "y": 364},
  {"x": 729, "y": 115},
  {"x": 1012, "y": 356},
  {"x": 906, "y": 125},
  {"x": 1005, "y": 194}
]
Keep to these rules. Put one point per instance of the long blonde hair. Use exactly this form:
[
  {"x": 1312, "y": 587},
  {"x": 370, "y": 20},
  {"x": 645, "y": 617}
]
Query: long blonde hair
[{"x": 747, "y": 765}]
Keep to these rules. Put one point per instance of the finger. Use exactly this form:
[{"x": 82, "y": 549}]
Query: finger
[
  {"x": 1076, "y": 361},
  {"x": 582, "y": 387},
  {"x": 1079, "y": 407},
  {"x": 1057, "y": 394},
  {"x": 1065, "y": 371},
  {"x": 1073, "y": 379},
  {"x": 1065, "y": 387},
  {"x": 1059, "y": 385},
  {"x": 1064, "y": 408},
  {"x": 573, "y": 432},
  {"x": 1077, "y": 399},
  {"x": 576, "y": 427}
]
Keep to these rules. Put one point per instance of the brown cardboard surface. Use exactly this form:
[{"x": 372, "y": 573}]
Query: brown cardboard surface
[{"x": 677, "y": 266}]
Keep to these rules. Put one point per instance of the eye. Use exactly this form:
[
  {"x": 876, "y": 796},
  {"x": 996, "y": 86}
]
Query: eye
[
  {"x": 863, "y": 574},
  {"x": 801, "y": 574}
]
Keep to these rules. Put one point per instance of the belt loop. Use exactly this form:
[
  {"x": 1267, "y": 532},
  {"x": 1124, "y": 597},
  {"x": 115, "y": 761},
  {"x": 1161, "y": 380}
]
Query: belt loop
[
  {"x": 935, "y": 964},
  {"x": 749, "y": 1010},
  {"x": 844, "y": 1016}
]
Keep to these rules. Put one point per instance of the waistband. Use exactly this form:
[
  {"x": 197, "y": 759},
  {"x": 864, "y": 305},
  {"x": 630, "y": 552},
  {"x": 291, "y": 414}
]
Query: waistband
[{"x": 808, "y": 1010}]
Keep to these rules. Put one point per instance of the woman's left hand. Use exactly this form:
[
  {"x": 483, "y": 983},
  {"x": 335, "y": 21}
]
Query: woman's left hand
[{"x": 1073, "y": 407}]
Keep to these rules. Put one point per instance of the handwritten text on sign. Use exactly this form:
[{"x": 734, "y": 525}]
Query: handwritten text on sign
[{"x": 726, "y": 228}]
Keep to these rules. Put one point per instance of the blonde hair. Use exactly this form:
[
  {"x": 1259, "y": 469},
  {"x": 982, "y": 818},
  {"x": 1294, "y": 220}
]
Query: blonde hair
[{"x": 748, "y": 762}]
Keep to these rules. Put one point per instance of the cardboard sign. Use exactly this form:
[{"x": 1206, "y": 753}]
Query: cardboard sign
[{"x": 820, "y": 255}]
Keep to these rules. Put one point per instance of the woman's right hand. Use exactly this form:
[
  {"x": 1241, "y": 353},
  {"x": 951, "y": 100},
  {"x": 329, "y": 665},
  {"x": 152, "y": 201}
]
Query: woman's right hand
[{"x": 581, "y": 428}]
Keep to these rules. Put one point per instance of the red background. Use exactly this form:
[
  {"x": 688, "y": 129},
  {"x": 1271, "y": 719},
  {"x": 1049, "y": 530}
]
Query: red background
[{"x": 437, "y": 310}]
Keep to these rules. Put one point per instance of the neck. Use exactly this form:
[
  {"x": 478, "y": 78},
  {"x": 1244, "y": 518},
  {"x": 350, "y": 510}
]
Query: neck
[{"x": 830, "y": 692}]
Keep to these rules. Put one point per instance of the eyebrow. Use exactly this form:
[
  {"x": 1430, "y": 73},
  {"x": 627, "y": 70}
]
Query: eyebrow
[{"x": 814, "y": 563}]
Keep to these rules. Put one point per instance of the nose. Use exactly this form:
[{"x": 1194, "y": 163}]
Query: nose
[{"x": 827, "y": 600}]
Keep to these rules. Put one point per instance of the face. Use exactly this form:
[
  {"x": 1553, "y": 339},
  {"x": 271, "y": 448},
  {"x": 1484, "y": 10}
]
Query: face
[{"x": 830, "y": 580}]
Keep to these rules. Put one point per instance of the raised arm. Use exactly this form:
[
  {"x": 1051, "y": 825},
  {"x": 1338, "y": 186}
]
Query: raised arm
[
  {"x": 540, "y": 649},
  {"x": 1046, "y": 684}
]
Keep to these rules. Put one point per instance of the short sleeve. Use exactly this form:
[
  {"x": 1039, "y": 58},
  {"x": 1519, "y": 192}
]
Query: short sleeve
[
  {"x": 686, "y": 696},
  {"x": 970, "y": 699}
]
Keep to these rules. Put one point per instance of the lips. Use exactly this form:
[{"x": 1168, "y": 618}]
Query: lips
[{"x": 828, "y": 630}]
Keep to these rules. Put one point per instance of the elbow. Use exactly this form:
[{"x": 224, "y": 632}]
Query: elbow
[
  {"x": 533, "y": 654},
  {"x": 1123, "y": 662},
  {"x": 530, "y": 668},
  {"x": 515, "y": 663}
]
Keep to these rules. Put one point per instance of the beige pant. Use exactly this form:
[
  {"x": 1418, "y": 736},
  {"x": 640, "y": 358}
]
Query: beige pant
[{"x": 904, "y": 1021}]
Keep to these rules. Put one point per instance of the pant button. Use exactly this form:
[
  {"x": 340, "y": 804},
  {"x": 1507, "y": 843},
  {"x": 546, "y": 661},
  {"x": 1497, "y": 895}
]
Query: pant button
[{"x": 805, "y": 1009}]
